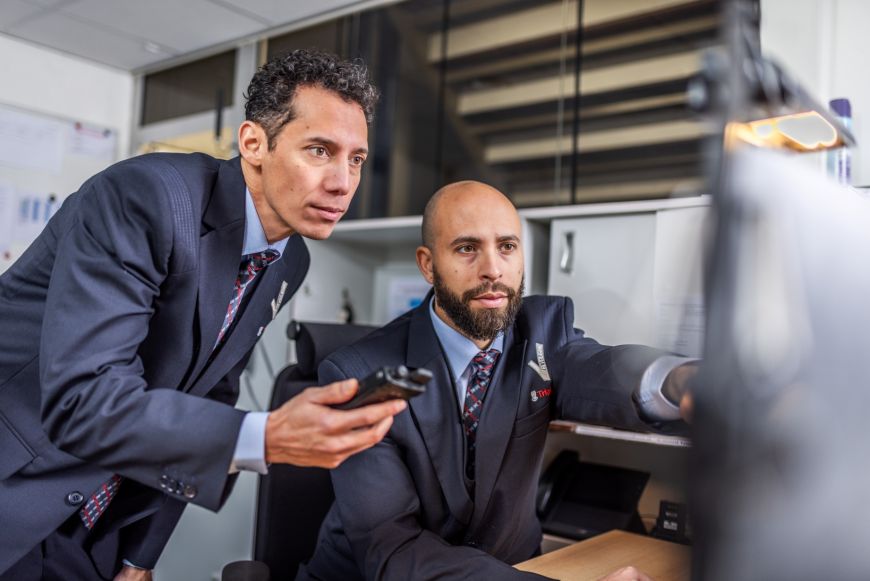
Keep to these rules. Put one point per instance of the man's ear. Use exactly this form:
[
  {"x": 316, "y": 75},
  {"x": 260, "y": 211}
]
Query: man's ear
[
  {"x": 253, "y": 143},
  {"x": 424, "y": 263}
]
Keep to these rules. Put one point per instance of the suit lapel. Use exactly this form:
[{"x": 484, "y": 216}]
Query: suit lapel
[
  {"x": 220, "y": 252},
  {"x": 218, "y": 269},
  {"x": 246, "y": 330},
  {"x": 436, "y": 414},
  {"x": 496, "y": 422}
]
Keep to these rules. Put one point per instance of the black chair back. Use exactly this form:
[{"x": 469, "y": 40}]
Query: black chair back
[{"x": 292, "y": 501}]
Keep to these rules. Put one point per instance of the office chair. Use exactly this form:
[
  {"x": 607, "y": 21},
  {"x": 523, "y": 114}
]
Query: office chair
[{"x": 292, "y": 501}]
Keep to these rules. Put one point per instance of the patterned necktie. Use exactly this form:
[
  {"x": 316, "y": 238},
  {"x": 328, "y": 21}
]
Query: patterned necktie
[
  {"x": 251, "y": 264},
  {"x": 99, "y": 501},
  {"x": 481, "y": 371}
]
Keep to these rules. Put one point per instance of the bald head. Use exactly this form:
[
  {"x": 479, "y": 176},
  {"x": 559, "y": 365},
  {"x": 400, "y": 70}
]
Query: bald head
[
  {"x": 461, "y": 198},
  {"x": 472, "y": 255}
]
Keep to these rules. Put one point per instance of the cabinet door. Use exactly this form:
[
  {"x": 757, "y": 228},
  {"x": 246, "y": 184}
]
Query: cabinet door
[
  {"x": 634, "y": 278},
  {"x": 605, "y": 264}
]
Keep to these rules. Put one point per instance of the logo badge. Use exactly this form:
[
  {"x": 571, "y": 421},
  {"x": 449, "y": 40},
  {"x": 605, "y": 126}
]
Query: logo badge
[
  {"x": 276, "y": 302},
  {"x": 540, "y": 393},
  {"x": 541, "y": 366}
]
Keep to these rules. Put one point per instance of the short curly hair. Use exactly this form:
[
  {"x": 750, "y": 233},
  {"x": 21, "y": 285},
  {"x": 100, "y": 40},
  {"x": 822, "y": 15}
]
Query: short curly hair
[{"x": 269, "y": 99}]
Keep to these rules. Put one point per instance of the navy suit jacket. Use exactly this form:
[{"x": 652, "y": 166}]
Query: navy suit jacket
[
  {"x": 106, "y": 362},
  {"x": 403, "y": 509}
]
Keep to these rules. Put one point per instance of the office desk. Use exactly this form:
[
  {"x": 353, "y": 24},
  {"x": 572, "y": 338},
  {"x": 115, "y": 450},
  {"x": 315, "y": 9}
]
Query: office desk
[{"x": 594, "y": 558}]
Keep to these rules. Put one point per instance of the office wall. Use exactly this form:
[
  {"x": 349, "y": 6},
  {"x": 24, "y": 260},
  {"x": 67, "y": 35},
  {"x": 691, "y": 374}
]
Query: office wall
[
  {"x": 50, "y": 82},
  {"x": 822, "y": 43}
]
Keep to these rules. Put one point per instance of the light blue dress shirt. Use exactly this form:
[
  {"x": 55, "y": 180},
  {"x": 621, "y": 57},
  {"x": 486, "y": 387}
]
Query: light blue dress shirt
[
  {"x": 460, "y": 350},
  {"x": 250, "y": 452}
]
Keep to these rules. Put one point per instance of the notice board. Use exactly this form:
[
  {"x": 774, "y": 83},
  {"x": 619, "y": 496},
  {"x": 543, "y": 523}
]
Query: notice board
[{"x": 43, "y": 159}]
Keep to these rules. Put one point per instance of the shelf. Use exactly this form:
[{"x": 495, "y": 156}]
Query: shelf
[
  {"x": 373, "y": 231},
  {"x": 629, "y": 191},
  {"x": 613, "y": 434},
  {"x": 545, "y": 214},
  {"x": 406, "y": 229}
]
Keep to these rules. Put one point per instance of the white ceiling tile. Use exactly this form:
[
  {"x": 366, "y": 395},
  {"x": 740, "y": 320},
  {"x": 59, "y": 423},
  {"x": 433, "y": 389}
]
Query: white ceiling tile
[
  {"x": 115, "y": 32},
  {"x": 184, "y": 26},
  {"x": 51, "y": 4},
  {"x": 85, "y": 40},
  {"x": 280, "y": 12},
  {"x": 15, "y": 11}
]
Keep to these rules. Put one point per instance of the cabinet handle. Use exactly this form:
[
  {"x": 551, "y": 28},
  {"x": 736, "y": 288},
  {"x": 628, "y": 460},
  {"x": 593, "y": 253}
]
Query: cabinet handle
[{"x": 566, "y": 261}]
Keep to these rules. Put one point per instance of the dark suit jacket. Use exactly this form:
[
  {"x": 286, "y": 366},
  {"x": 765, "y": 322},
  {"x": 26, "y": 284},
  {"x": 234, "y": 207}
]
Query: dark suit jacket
[
  {"x": 106, "y": 362},
  {"x": 403, "y": 509}
]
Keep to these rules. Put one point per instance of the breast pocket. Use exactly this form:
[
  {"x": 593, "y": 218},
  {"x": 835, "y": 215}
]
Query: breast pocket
[
  {"x": 16, "y": 453},
  {"x": 529, "y": 424}
]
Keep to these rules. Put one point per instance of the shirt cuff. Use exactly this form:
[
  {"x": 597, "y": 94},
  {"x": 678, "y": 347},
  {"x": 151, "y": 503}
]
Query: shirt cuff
[
  {"x": 129, "y": 564},
  {"x": 250, "y": 453},
  {"x": 653, "y": 404}
]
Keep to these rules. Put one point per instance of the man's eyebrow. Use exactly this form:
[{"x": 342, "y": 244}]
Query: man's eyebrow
[
  {"x": 332, "y": 144},
  {"x": 465, "y": 240},
  {"x": 477, "y": 240}
]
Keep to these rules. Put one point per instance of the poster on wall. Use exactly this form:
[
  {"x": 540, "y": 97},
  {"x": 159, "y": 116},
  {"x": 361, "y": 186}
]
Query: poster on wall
[
  {"x": 43, "y": 159},
  {"x": 30, "y": 143},
  {"x": 405, "y": 293}
]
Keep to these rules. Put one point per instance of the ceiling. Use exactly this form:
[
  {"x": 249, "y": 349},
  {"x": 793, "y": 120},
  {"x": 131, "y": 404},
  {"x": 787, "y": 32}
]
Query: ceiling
[{"x": 138, "y": 34}]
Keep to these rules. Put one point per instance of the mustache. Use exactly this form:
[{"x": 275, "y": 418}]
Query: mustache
[{"x": 488, "y": 287}]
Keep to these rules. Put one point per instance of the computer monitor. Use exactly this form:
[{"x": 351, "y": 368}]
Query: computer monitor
[{"x": 781, "y": 458}]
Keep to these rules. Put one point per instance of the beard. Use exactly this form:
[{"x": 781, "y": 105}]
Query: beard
[{"x": 478, "y": 324}]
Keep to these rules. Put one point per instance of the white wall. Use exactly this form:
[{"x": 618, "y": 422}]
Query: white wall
[
  {"x": 821, "y": 43},
  {"x": 50, "y": 82}
]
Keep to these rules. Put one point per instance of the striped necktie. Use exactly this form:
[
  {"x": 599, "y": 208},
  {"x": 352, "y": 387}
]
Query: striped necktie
[
  {"x": 251, "y": 265},
  {"x": 481, "y": 372},
  {"x": 99, "y": 501}
]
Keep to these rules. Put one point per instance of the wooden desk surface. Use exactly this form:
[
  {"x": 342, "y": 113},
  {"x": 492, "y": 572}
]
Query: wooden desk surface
[{"x": 594, "y": 558}]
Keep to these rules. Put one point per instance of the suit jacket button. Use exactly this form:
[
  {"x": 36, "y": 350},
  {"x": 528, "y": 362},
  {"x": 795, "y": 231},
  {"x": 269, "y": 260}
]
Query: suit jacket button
[
  {"x": 74, "y": 498},
  {"x": 190, "y": 491}
]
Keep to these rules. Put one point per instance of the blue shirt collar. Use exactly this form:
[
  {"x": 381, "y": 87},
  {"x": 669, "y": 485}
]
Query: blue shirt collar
[
  {"x": 458, "y": 349},
  {"x": 255, "y": 237}
]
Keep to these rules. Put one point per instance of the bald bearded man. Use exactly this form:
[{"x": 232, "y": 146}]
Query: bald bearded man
[{"x": 450, "y": 491}]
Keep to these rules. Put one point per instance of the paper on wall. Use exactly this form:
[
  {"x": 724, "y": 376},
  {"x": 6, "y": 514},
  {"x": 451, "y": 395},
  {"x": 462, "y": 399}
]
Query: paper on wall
[{"x": 678, "y": 280}]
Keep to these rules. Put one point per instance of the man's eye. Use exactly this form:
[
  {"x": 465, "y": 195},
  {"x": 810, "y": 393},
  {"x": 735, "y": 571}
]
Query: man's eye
[
  {"x": 468, "y": 248},
  {"x": 357, "y": 160},
  {"x": 318, "y": 150},
  {"x": 509, "y": 246}
]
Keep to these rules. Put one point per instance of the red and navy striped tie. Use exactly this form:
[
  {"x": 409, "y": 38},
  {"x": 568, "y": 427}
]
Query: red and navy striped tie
[
  {"x": 251, "y": 264},
  {"x": 481, "y": 371},
  {"x": 99, "y": 501}
]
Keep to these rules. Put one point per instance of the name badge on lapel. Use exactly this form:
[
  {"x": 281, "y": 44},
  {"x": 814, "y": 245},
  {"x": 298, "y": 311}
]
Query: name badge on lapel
[
  {"x": 276, "y": 302},
  {"x": 540, "y": 366}
]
